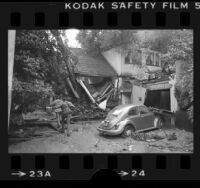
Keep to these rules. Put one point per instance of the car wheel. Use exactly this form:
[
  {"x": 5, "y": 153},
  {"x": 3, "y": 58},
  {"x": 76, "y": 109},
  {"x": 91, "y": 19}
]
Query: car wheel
[
  {"x": 128, "y": 130},
  {"x": 158, "y": 123}
]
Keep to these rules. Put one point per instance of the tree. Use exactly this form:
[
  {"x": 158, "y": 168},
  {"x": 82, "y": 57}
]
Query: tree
[
  {"x": 157, "y": 40},
  {"x": 181, "y": 48},
  {"x": 39, "y": 62},
  {"x": 100, "y": 40}
]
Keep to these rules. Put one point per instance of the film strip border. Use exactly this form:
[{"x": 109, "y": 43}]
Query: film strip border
[
  {"x": 85, "y": 166},
  {"x": 54, "y": 15},
  {"x": 111, "y": 19},
  {"x": 88, "y": 166}
]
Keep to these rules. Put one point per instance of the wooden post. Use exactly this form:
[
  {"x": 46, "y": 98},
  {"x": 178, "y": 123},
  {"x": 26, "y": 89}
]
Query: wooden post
[
  {"x": 11, "y": 52},
  {"x": 72, "y": 88}
]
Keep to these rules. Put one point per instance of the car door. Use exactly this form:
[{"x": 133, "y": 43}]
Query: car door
[
  {"x": 134, "y": 116},
  {"x": 146, "y": 118}
]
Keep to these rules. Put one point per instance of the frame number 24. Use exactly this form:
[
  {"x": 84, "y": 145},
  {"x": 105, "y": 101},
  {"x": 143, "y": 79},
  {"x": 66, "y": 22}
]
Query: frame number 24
[{"x": 135, "y": 173}]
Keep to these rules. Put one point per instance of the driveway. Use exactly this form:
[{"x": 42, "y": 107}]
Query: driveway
[{"x": 86, "y": 139}]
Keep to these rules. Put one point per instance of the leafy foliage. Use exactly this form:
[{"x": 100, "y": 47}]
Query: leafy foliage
[
  {"x": 177, "y": 45},
  {"x": 100, "y": 40},
  {"x": 41, "y": 66}
]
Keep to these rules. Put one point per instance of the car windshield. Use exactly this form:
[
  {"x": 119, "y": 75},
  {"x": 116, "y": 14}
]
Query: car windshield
[{"x": 117, "y": 112}]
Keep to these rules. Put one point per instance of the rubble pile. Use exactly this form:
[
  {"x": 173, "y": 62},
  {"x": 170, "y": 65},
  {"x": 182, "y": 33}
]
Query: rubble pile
[{"x": 88, "y": 112}]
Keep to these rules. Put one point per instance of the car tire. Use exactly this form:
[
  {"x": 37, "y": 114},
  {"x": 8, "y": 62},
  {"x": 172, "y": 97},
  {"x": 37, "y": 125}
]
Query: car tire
[
  {"x": 158, "y": 123},
  {"x": 128, "y": 130}
]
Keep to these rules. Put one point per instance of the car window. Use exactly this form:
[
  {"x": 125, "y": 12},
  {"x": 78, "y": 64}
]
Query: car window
[
  {"x": 117, "y": 112},
  {"x": 133, "y": 111},
  {"x": 143, "y": 110}
]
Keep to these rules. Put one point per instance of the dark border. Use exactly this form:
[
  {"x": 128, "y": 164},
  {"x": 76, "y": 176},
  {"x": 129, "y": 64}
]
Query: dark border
[{"x": 124, "y": 161}]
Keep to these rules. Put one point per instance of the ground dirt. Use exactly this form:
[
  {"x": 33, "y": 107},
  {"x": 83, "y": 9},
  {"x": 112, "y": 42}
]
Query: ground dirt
[{"x": 85, "y": 138}]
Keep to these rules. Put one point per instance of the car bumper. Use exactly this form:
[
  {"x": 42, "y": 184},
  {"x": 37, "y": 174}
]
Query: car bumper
[{"x": 110, "y": 131}]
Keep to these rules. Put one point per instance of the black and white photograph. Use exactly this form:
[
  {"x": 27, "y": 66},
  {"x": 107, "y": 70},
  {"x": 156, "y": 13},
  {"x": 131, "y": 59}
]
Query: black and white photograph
[{"x": 100, "y": 91}]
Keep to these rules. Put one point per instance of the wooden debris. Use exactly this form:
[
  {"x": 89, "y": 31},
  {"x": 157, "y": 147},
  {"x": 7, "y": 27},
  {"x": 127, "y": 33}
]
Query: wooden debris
[{"x": 72, "y": 88}]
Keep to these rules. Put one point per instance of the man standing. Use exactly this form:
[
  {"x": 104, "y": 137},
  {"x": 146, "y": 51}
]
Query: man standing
[
  {"x": 63, "y": 114},
  {"x": 66, "y": 115}
]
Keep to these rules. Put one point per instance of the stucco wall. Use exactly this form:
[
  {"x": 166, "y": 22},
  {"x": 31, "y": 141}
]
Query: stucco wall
[
  {"x": 173, "y": 101},
  {"x": 129, "y": 69},
  {"x": 116, "y": 59}
]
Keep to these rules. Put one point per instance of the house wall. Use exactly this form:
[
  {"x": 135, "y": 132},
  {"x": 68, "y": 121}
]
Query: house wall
[
  {"x": 173, "y": 101},
  {"x": 116, "y": 58},
  {"x": 128, "y": 69},
  {"x": 126, "y": 98},
  {"x": 179, "y": 73},
  {"x": 138, "y": 95}
]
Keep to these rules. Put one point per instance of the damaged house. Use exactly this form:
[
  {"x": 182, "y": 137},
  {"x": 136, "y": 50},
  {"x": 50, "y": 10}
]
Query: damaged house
[
  {"x": 96, "y": 76},
  {"x": 141, "y": 79},
  {"x": 133, "y": 76}
]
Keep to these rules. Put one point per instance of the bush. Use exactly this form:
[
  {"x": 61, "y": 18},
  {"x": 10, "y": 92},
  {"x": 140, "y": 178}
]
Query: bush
[{"x": 28, "y": 96}]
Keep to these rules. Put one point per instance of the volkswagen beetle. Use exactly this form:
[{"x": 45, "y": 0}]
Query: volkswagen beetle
[{"x": 125, "y": 119}]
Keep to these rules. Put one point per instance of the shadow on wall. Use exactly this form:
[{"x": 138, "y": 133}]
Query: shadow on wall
[{"x": 182, "y": 121}]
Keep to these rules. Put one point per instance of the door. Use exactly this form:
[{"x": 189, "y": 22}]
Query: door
[
  {"x": 146, "y": 118},
  {"x": 134, "y": 116}
]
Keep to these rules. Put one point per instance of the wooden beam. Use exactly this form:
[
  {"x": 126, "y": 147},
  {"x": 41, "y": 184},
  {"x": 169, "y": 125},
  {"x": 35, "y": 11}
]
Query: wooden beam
[
  {"x": 72, "y": 88},
  {"x": 86, "y": 90}
]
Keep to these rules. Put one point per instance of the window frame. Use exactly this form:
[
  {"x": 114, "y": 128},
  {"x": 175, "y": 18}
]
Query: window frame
[
  {"x": 128, "y": 56},
  {"x": 157, "y": 56},
  {"x": 136, "y": 109},
  {"x": 149, "y": 54}
]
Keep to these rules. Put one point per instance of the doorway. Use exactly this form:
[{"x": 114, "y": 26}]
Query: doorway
[{"x": 158, "y": 99}]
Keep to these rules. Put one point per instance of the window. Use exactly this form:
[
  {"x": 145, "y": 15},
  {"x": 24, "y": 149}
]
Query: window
[
  {"x": 133, "y": 112},
  {"x": 134, "y": 57},
  {"x": 117, "y": 112},
  {"x": 137, "y": 57},
  {"x": 128, "y": 59},
  {"x": 157, "y": 60},
  {"x": 143, "y": 110},
  {"x": 150, "y": 59}
]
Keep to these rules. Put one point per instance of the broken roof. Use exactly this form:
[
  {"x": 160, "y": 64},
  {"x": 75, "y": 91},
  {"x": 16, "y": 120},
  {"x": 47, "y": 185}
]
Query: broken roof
[{"x": 92, "y": 65}]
